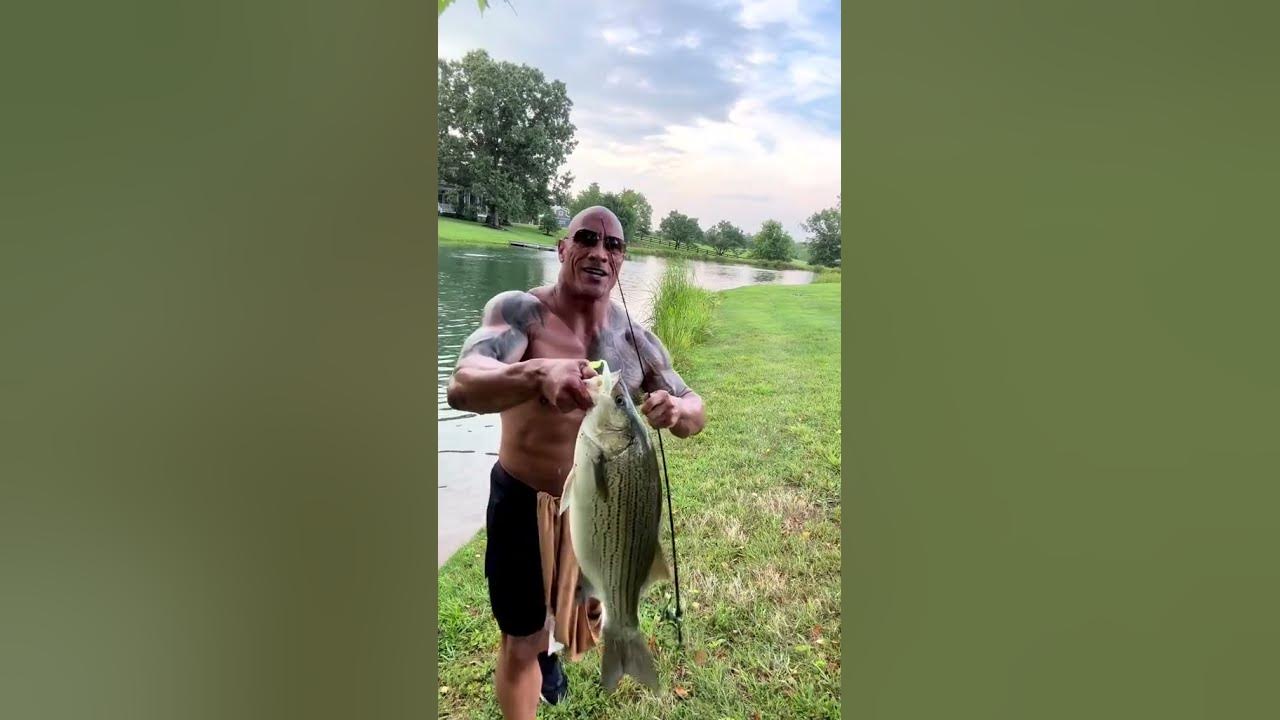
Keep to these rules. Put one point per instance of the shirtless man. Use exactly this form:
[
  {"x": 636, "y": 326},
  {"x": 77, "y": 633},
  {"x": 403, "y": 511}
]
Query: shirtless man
[{"x": 528, "y": 361}]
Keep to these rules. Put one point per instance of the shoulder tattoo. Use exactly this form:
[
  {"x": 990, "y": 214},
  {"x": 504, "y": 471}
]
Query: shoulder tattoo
[{"x": 504, "y": 330}]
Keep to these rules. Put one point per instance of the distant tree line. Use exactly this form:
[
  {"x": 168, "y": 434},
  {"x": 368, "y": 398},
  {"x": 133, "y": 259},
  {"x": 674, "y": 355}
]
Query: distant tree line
[{"x": 770, "y": 242}]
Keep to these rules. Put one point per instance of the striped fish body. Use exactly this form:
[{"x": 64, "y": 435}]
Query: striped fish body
[{"x": 615, "y": 508}]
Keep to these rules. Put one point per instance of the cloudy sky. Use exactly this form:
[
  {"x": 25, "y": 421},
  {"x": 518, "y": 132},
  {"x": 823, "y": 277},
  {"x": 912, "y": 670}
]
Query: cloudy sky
[{"x": 721, "y": 109}]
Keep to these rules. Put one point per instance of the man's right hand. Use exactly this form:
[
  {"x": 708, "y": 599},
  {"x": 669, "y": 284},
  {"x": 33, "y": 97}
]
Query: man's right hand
[{"x": 562, "y": 385}]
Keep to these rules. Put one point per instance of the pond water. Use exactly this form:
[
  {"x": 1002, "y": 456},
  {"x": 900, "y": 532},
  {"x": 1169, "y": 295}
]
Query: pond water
[{"x": 469, "y": 277}]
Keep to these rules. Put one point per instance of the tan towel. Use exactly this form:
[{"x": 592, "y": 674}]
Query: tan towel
[{"x": 577, "y": 625}]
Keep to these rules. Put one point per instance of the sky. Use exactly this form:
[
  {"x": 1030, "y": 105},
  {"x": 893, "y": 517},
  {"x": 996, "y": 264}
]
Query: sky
[{"x": 720, "y": 109}]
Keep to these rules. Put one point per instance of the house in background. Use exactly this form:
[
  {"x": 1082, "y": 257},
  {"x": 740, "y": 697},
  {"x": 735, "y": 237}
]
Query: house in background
[
  {"x": 562, "y": 215},
  {"x": 459, "y": 202}
]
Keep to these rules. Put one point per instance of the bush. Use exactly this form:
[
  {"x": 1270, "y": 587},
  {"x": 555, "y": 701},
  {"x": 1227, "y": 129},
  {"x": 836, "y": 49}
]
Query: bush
[
  {"x": 548, "y": 223},
  {"x": 681, "y": 311},
  {"x": 773, "y": 243}
]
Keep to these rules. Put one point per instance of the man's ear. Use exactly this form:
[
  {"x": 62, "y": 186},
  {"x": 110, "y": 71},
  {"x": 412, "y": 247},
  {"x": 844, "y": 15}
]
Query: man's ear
[{"x": 560, "y": 248}]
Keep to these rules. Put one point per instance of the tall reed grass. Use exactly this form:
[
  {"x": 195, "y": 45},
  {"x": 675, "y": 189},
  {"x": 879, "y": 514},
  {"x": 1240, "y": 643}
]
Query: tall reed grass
[{"x": 681, "y": 311}]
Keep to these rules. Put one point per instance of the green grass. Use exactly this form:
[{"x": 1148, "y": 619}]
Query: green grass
[
  {"x": 681, "y": 311},
  {"x": 462, "y": 232},
  {"x": 757, "y": 508}
]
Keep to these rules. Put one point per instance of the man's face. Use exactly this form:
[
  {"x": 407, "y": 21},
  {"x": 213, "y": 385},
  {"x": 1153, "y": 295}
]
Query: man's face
[{"x": 592, "y": 253}]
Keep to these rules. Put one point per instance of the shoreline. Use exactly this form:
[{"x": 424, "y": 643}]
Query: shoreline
[{"x": 451, "y": 232}]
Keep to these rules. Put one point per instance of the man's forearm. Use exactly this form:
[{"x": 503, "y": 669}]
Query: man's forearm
[
  {"x": 692, "y": 417},
  {"x": 484, "y": 385}
]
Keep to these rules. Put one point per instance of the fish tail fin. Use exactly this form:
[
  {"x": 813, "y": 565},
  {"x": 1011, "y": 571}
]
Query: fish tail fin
[{"x": 627, "y": 653}]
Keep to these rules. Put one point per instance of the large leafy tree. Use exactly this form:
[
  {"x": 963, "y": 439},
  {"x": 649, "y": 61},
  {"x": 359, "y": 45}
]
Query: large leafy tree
[
  {"x": 680, "y": 229},
  {"x": 824, "y": 231},
  {"x": 630, "y": 206},
  {"x": 589, "y": 197},
  {"x": 724, "y": 236},
  {"x": 504, "y": 130},
  {"x": 773, "y": 243},
  {"x": 640, "y": 207},
  {"x": 625, "y": 212}
]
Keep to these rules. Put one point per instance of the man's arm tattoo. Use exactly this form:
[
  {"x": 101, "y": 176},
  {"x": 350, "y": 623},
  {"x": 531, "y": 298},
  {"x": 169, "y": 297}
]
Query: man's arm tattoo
[
  {"x": 660, "y": 375},
  {"x": 518, "y": 312}
]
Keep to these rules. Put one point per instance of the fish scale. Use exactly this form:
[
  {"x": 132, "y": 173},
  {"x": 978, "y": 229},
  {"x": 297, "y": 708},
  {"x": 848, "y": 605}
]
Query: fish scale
[{"x": 623, "y": 542}]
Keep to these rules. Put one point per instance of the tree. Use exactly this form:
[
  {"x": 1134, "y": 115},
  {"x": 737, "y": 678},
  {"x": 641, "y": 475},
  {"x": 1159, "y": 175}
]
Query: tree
[
  {"x": 680, "y": 228},
  {"x": 802, "y": 250},
  {"x": 547, "y": 223},
  {"x": 724, "y": 235},
  {"x": 560, "y": 189},
  {"x": 630, "y": 206},
  {"x": 773, "y": 243},
  {"x": 824, "y": 230},
  {"x": 640, "y": 207},
  {"x": 504, "y": 130},
  {"x": 587, "y": 198}
]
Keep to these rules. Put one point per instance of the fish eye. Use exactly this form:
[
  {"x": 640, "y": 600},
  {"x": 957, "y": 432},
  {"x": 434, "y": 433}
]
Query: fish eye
[{"x": 618, "y": 401}]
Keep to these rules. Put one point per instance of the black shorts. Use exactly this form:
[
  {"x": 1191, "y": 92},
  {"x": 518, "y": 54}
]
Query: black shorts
[{"x": 512, "y": 559}]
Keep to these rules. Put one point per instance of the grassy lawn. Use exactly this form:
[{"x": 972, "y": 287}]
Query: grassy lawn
[
  {"x": 757, "y": 507},
  {"x": 461, "y": 232}
]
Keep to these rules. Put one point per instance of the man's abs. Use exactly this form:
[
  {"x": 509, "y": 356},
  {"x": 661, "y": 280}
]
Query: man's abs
[{"x": 537, "y": 444}]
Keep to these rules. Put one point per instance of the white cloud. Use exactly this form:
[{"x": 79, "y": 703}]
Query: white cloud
[
  {"x": 627, "y": 78},
  {"x": 619, "y": 35},
  {"x": 796, "y": 18},
  {"x": 796, "y": 78},
  {"x": 626, "y": 39},
  {"x": 813, "y": 77},
  {"x": 755, "y": 14},
  {"x": 718, "y": 170},
  {"x": 691, "y": 40}
]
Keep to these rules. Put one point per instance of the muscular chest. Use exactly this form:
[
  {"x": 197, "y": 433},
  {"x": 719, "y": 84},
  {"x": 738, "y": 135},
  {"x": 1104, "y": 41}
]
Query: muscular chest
[{"x": 612, "y": 345}]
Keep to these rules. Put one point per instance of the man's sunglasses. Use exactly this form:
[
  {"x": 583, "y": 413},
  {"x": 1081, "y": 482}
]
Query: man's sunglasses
[{"x": 589, "y": 238}]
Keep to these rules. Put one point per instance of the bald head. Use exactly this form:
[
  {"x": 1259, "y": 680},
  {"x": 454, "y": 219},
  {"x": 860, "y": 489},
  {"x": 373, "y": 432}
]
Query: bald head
[{"x": 598, "y": 218}]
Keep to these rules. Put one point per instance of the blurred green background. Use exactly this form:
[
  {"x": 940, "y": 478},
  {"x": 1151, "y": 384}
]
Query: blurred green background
[
  {"x": 217, "y": 455},
  {"x": 1061, "y": 386}
]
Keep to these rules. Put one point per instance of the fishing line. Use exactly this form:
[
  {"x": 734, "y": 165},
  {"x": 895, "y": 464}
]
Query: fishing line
[{"x": 671, "y": 520}]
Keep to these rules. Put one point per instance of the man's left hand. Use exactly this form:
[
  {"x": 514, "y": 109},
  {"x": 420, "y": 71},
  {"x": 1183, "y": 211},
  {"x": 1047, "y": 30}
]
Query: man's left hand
[{"x": 661, "y": 409}]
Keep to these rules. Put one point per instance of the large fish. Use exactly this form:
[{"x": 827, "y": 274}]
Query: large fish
[{"x": 616, "y": 500}]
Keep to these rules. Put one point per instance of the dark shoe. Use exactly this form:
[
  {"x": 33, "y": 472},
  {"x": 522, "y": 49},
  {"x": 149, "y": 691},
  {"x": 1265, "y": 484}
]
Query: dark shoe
[{"x": 555, "y": 685}]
